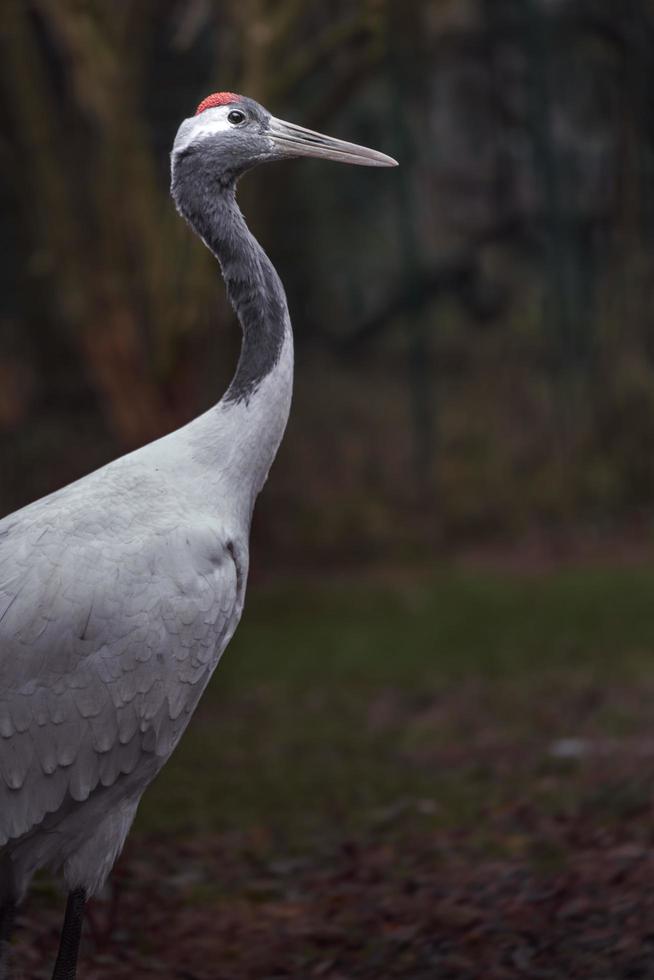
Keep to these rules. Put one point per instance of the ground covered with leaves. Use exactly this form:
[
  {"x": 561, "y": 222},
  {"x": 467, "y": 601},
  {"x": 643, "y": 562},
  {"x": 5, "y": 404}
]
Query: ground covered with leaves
[
  {"x": 449, "y": 775},
  {"x": 373, "y": 909}
]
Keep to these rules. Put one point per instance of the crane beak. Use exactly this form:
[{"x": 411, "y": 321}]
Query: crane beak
[{"x": 295, "y": 141}]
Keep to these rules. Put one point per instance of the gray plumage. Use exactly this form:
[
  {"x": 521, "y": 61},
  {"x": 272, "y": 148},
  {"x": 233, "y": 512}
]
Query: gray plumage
[
  {"x": 119, "y": 593},
  {"x": 118, "y": 596}
]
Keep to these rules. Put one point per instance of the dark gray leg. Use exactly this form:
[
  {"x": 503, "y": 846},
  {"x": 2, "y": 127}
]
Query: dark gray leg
[
  {"x": 7, "y": 916},
  {"x": 66, "y": 965}
]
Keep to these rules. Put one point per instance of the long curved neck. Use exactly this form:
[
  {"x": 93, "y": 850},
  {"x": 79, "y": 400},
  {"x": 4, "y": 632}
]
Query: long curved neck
[
  {"x": 254, "y": 289},
  {"x": 241, "y": 434}
]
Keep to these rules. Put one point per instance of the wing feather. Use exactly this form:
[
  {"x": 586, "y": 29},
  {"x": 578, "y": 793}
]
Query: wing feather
[{"x": 110, "y": 626}]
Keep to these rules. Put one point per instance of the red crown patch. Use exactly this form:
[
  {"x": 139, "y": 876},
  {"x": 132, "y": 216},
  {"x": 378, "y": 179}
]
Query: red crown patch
[{"x": 218, "y": 98}]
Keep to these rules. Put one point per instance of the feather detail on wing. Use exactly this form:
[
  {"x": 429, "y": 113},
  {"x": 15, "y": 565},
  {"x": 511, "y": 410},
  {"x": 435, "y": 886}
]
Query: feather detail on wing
[{"x": 110, "y": 626}]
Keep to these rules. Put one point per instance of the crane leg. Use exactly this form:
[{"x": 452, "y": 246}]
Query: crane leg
[
  {"x": 66, "y": 965},
  {"x": 7, "y": 916}
]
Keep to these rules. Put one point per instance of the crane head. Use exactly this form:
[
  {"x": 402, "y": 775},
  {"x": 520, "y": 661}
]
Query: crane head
[{"x": 236, "y": 133}]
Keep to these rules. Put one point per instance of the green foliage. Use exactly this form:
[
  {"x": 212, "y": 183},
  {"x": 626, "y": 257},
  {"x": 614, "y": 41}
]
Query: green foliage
[{"x": 433, "y": 698}]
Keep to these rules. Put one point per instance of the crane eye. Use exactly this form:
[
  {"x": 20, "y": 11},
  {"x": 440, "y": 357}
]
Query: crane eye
[{"x": 235, "y": 117}]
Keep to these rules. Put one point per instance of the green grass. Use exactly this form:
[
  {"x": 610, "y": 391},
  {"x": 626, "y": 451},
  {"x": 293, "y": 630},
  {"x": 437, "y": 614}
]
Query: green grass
[{"x": 344, "y": 706}]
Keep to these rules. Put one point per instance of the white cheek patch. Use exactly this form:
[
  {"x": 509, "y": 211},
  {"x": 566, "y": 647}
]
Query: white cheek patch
[{"x": 211, "y": 122}]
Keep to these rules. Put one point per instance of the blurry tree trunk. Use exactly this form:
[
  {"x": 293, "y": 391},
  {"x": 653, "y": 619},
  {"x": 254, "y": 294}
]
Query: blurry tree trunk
[
  {"x": 567, "y": 322},
  {"x": 421, "y": 376},
  {"x": 538, "y": 50},
  {"x": 493, "y": 36},
  {"x": 636, "y": 124},
  {"x": 106, "y": 240}
]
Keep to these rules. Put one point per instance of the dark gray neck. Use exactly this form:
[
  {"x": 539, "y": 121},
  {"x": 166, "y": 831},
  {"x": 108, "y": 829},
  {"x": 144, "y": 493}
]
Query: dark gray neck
[{"x": 255, "y": 291}]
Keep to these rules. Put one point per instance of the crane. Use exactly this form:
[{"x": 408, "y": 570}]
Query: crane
[{"x": 119, "y": 593}]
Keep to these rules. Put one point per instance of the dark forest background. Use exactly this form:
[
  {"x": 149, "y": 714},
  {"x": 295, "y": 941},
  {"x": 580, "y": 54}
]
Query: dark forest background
[{"x": 474, "y": 330}]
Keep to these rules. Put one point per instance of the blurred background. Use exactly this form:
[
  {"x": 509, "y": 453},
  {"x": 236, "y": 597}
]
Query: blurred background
[
  {"x": 474, "y": 330},
  {"x": 449, "y": 643}
]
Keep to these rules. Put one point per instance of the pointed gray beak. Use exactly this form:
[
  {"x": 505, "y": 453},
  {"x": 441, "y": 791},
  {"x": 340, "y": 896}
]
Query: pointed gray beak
[{"x": 295, "y": 141}]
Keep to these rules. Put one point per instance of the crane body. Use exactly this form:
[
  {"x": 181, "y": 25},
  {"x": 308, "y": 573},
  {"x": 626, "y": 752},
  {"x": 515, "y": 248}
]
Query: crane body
[{"x": 119, "y": 593}]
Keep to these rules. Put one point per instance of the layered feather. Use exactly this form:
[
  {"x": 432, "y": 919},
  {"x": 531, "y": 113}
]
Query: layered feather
[{"x": 114, "y": 610}]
